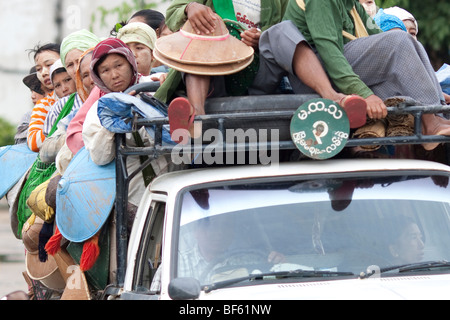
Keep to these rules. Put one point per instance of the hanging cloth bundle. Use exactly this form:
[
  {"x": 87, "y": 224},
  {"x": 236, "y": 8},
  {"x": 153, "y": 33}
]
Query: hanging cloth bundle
[
  {"x": 360, "y": 29},
  {"x": 39, "y": 173}
]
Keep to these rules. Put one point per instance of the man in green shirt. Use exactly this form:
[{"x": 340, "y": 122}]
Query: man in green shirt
[{"x": 358, "y": 57}]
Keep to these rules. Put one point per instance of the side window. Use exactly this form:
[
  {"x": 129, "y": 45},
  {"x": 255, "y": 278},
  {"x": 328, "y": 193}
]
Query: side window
[{"x": 149, "y": 258}]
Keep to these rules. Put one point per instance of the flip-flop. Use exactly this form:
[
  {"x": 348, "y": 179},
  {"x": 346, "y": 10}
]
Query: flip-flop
[
  {"x": 356, "y": 108},
  {"x": 180, "y": 117}
]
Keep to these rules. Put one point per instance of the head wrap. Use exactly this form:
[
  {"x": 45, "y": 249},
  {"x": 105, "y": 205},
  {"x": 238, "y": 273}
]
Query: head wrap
[
  {"x": 81, "y": 40},
  {"x": 79, "y": 80},
  {"x": 388, "y": 22},
  {"x": 138, "y": 32},
  {"x": 32, "y": 81},
  {"x": 402, "y": 14},
  {"x": 56, "y": 66},
  {"x": 109, "y": 46}
]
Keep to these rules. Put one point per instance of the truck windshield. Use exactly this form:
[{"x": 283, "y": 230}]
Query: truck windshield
[{"x": 337, "y": 225}]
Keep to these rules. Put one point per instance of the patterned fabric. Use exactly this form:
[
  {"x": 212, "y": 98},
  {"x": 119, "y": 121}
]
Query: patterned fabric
[
  {"x": 322, "y": 24},
  {"x": 388, "y": 73},
  {"x": 39, "y": 114}
]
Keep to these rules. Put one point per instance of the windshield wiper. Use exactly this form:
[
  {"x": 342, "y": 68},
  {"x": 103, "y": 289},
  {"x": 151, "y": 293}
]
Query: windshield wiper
[
  {"x": 424, "y": 265},
  {"x": 411, "y": 267},
  {"x": 299, "y": 273}
]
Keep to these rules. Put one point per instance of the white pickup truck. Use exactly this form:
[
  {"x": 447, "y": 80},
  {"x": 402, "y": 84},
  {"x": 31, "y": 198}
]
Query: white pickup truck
[
  {"x": 297, "y": 229},
  {"x": 211, "y": 231}
]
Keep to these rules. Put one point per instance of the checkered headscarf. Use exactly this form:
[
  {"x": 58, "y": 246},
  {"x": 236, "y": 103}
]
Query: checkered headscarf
[{"x": 108, "y": 46}]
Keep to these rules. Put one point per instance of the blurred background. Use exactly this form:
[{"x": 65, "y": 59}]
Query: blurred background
[{"x": 26, "y": 23}]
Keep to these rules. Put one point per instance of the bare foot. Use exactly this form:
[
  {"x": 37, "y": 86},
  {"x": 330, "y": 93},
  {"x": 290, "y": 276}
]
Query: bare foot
[{"x": 434, "y": 125}]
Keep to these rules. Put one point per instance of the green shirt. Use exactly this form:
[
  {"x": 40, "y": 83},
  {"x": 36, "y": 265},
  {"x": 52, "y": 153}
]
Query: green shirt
[{"x": 321, "y": 24}]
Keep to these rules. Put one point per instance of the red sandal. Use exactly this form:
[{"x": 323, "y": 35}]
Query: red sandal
[
  {"x": 356, "y": 108},
  {"x": 180, "y": 119}
]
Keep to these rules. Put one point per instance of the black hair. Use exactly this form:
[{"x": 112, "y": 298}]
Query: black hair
[
  {"x": 153, "y": 18},
  {"x": 57, "y": 71},
  {"x": 55, "y": 47},
  {"x": 117, "y": 27}
]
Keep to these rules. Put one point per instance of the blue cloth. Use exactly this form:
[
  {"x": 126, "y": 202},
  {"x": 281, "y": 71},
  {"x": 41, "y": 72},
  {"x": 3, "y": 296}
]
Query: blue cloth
[
  {"x": 388, "y": 22},
  {"x": 15, "y": 160},
  {"x": 443, "y": 76},
  {"x": 115, "y": 111},
  {"x": 85, "y": 197}
]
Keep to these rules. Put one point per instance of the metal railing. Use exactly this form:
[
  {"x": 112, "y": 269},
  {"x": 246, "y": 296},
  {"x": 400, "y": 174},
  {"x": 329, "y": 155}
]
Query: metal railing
[{"x": 222, "y": 121}]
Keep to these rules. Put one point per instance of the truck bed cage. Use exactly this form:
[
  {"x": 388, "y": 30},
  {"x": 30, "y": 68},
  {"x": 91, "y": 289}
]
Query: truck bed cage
[{"x": 257, "y": 112}]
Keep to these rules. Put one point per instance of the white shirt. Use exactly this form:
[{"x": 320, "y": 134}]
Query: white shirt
[{"x": 248, "y": 12}]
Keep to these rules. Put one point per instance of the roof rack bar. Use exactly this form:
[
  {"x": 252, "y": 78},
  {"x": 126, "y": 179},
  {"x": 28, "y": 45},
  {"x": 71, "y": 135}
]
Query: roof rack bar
[
  {"x": 415, "y": 110},
  {"x": 123, "y": 151},
  {"x": 121, "y": 201}
]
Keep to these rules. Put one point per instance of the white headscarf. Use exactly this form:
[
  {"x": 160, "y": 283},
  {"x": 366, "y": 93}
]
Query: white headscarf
[{"x": 402, "y": 14}]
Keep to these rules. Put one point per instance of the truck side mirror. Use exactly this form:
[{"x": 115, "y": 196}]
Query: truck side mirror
[{"x": 184, "y": 289}]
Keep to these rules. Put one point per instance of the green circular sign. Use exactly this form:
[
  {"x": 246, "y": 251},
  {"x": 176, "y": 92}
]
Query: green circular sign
[{"x": 320, "y": 128}]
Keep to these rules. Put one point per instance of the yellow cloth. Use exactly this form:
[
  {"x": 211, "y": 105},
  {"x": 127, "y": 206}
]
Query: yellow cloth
[
  {"x": 138, "y": 32},
  {"x": 36, "y": 203}
]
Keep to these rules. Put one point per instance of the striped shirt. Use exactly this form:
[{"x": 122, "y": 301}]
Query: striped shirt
[
  {"x": 38, "y": 115},
  {"x": 56, "y": 109}
]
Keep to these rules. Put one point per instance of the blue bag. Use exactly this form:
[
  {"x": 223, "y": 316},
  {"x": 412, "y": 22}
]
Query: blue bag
[{"x": 115, "y": 113}]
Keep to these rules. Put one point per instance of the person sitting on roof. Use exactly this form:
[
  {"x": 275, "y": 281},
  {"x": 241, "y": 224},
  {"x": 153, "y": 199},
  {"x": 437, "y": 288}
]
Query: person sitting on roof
[
  {"x": 245, "y": 23},
  {"x": 357, "y": 55}
]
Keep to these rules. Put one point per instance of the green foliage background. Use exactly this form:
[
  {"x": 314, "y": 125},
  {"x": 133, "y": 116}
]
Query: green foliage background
[
  {"x": 7, "y": 132},
  {"x": 433, "y": 17},
  {"x": 121, "y": 13}
]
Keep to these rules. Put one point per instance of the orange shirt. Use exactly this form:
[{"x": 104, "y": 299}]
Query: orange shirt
[{"x": 39, "y": 113}]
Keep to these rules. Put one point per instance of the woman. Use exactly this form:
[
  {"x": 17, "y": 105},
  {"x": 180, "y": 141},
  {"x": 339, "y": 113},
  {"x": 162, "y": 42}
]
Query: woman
[
  {"x": 141, "y": 39},
  {"x": 72, "y": 47},
  {"x": 85, "y": 86},
  {"x": 84, "y": 81},
  {"x": 44, "y": 57},
  {"x": 154, "y": 19},
  {"x": 114, "y": 69}
]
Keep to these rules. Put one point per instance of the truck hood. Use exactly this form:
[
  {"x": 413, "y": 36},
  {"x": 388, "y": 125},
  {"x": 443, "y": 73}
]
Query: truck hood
[{"x": 392, "y": 288}]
